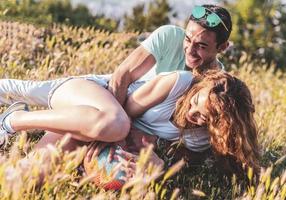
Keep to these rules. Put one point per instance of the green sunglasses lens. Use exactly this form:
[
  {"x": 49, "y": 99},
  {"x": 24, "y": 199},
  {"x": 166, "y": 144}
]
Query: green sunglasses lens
[
  {"x": 213, "y": 20},
  {"x": 198, "y": 12}
]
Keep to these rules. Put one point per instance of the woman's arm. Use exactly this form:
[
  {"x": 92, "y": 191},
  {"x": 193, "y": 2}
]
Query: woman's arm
[
  {"x": 150, "y": 94},
  {"x": 132, "y": 68}
]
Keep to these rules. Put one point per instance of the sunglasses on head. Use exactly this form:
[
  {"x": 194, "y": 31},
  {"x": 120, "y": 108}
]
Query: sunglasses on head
[{"x": 212, "y": 18}]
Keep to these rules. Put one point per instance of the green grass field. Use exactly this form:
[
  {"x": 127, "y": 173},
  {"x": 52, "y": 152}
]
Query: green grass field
[{"x": 29, "y": 52}]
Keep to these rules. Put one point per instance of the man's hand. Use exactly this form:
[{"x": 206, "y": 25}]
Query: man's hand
[
  {"x": 127, "y": 163},
  {"x": 132, "y": 157},
  {"x": 118, "y": 85},
  {"x": 131, "y": 69},
  {"x": 93, "y": 151}
]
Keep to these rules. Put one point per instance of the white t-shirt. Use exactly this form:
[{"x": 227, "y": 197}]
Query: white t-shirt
[{"x": 156, "y": 120}]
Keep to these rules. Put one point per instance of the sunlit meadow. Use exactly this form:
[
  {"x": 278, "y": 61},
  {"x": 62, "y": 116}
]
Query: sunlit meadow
[{"x": 38, "y": 53}]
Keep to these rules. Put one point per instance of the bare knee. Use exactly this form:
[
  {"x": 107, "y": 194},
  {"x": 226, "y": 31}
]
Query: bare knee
[
  {"x": 121, "y": 124},
  {"x": 110, "y": 127}
]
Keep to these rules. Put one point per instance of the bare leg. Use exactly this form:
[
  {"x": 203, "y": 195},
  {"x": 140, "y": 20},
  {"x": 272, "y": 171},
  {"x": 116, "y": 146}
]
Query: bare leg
[
  {"x": 53, "y": 138},
  {"x": 82, "y": 108},
  {"x": 41, "y": 149}
]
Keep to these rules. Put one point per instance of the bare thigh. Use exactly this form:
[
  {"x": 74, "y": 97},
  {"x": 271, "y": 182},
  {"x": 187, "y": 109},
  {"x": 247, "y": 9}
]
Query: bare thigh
[{"x": 84, "y": 92}]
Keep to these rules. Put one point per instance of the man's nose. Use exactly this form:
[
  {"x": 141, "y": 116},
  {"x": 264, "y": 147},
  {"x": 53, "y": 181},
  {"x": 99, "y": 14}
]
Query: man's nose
[{"x": 191, "y": 48}]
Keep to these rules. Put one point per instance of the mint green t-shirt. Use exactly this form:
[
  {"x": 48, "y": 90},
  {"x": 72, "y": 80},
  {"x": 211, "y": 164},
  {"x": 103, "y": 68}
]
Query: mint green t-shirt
[{"x": 166, "y": 45}]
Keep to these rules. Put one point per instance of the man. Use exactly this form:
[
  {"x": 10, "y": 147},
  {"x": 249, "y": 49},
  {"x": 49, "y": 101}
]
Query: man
[{"x": 171, "y": 48}]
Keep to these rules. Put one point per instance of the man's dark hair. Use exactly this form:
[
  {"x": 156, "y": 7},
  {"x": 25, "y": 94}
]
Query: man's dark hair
[{"x": 222, "y": 34}]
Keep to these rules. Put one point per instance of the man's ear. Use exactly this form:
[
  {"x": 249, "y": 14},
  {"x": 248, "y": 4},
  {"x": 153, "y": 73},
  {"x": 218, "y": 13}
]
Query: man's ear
[{"x": 223, "y": 46}]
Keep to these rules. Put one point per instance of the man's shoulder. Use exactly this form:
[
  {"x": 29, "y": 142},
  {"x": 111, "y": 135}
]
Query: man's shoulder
[{"x": 171, "y": 29}]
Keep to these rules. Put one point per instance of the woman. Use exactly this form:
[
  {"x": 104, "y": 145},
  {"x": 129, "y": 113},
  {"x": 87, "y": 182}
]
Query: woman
[
  {"x": 217, "y": 100},
  {"x": 171, "y": 106}
]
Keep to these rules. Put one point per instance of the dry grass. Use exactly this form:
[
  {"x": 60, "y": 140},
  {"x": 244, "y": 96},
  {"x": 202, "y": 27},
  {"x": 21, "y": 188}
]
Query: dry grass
[{"x": 28, "y": 52}]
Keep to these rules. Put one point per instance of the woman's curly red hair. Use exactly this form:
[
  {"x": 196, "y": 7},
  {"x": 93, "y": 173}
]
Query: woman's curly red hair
[{"x": 230, "y": 121}]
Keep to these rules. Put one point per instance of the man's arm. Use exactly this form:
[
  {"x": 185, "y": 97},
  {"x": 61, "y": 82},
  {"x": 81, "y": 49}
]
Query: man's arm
[{"x": 139, "y": 62}]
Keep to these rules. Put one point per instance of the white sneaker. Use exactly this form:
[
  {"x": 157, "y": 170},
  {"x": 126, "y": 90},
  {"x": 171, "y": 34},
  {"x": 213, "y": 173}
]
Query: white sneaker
[{"x": 4, "y": 134}]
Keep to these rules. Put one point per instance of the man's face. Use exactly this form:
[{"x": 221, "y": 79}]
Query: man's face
[{"x": 200, "y": 46}]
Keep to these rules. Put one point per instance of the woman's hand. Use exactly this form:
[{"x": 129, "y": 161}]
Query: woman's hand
[{"x": 94, "y": 150}]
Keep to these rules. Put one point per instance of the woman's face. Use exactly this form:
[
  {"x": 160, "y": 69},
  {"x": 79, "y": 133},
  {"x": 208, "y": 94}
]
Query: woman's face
[{"x": 198, "y": 113}]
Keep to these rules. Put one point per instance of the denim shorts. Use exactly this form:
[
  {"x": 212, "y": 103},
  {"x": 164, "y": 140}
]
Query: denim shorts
[
  {"x": 39, "y": 93},
  {"x": 101, "y": 80}
]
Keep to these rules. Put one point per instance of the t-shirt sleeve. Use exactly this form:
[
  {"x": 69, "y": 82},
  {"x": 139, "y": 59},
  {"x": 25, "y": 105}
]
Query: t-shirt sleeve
[{"x": 160, "y": 41}]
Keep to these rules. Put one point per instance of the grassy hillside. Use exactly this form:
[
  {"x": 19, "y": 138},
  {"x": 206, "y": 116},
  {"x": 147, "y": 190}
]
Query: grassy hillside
[{"x": 29, "y": 52}]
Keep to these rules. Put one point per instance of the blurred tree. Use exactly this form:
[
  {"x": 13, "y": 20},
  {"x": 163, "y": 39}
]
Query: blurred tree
[
  {"x": 156, "y": 15},
  {"x": 54, "y": 11},
  {"x": 259, "y": 30},
  {"x": 136, "y": 22}
]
